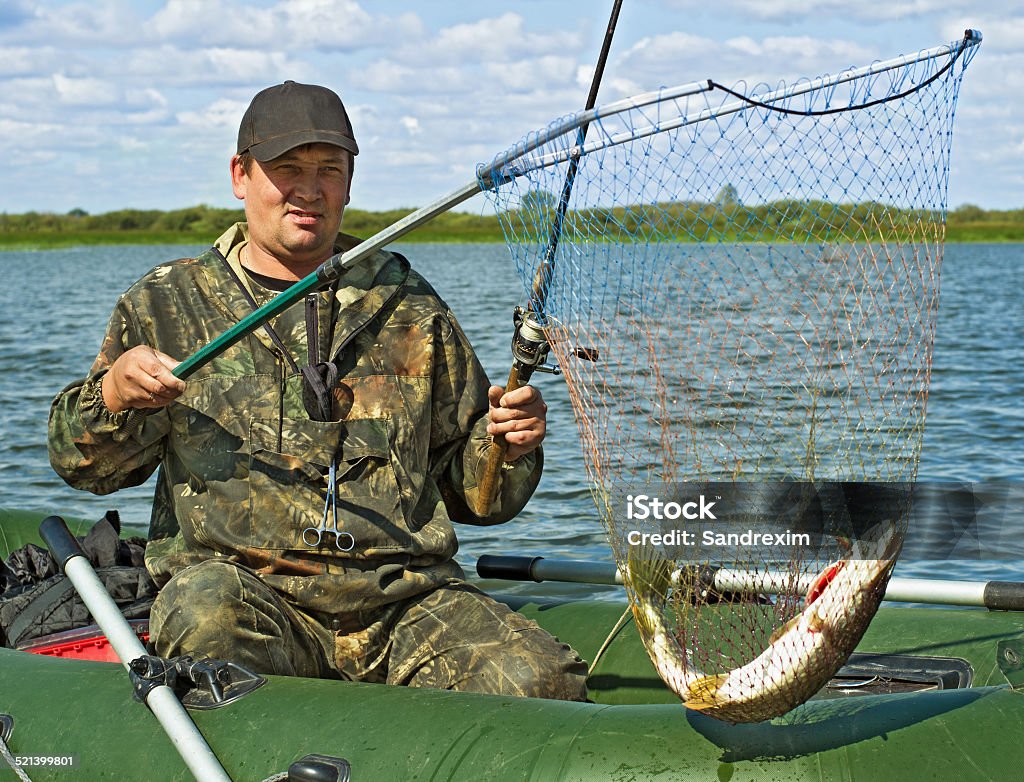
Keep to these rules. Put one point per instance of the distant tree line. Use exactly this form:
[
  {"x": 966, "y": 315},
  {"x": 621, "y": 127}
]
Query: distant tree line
[
  {"x": 727, "y": 219},
  {"x": 202, "y": 224},
  {"x": 195, "y": 219},
  {"x": 724, "y": 218}
]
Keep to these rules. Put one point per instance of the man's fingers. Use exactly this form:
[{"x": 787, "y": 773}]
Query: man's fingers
[
  {"x": 168, "y": 381},
  {"x": 524, "y": 396},
  {"x": 519, "y": 416},
  {"x": 154, "y": 380},
  {"x": 166, "y": 360},
  {"x": 518, "y": 438},
  {"x": 141, "y": 377},
  {"x": 502, "y": 414},
  {"x": 512, "y": 425},
  {"x": 159, "y": 380},
  {"x": 522, "y": 430}
]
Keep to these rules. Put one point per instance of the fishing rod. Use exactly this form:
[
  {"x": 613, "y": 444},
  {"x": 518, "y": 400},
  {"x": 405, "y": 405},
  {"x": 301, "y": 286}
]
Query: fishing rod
[
  {"x": 994, "y": 595},
  {"x": 529, "y": 343}
]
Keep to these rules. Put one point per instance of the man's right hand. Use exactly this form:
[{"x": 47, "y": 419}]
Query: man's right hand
[{"x": 141, "y": 378}]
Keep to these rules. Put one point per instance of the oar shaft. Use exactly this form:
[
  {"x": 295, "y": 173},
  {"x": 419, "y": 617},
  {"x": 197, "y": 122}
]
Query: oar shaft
[
  {"x": 994, "y": 595},
  {"x": 161, "y": 699}
]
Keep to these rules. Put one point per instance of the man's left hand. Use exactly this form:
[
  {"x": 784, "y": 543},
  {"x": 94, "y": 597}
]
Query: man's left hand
[{"x": 521, "y": 416}]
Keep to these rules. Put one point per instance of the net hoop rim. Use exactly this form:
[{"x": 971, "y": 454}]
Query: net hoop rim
[{"x": 502, "y": 170}]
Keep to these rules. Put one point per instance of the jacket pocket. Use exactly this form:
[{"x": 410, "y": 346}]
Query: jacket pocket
[{"x": 288, "y": 475}]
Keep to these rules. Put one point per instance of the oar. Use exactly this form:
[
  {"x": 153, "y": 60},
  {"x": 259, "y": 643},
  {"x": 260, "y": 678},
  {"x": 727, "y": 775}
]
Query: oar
[
  {"x": 994, "y": 595},
  {"x": 529, "y": 344},
  {"x": 161, "y": 699}
]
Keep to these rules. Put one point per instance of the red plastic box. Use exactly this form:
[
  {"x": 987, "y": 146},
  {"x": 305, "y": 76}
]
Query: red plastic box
[{"x": 83, "y": 643}]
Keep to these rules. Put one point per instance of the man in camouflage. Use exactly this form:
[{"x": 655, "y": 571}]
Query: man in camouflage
[{"x": 403, "y": 412}]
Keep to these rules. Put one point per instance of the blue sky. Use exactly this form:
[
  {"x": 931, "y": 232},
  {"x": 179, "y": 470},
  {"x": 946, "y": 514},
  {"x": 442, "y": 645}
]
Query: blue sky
[{"x": 108, "y": 103}]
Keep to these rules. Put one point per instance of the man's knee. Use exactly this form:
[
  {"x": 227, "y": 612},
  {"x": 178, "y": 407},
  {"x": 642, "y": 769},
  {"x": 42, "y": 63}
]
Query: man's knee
[
  {"x": 217, "y": 609},
  {"x": 461, "y": 639},
  {"x": 196, "y": 606},
  {"x": 555, "y": 672}
]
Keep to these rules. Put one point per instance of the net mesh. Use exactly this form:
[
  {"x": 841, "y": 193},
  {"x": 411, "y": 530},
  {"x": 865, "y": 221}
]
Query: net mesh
[{"x": 757, "y": 270}]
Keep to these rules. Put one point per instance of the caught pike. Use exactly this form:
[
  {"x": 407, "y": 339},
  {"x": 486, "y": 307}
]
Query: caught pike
[{"x": 801, "y": 656}]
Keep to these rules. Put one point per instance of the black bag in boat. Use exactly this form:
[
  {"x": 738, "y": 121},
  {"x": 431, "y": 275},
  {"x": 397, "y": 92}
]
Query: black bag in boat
[{"x": 36, "y": 600}]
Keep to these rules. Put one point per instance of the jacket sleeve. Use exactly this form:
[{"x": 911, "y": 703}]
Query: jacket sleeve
[
  {"x": 92, "y": 448},
  {"x": 459, "y": 439}
]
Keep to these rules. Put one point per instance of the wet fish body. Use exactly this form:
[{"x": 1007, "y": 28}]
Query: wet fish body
[{"x": 801, "y": 656}]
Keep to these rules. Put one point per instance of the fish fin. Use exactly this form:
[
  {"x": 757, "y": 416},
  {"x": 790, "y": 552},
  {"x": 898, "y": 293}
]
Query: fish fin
[
  {"x": 823, "y": 579},
  {"x": 651, "y": 580},
  {"x": 703, "y": 693}
]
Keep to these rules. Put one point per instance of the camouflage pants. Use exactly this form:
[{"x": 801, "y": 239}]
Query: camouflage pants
[{"x": 454, "y": 637}]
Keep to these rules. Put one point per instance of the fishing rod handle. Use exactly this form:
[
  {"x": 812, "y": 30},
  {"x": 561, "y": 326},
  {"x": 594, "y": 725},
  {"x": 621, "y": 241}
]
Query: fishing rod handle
[{"x": 488, "y": 488}]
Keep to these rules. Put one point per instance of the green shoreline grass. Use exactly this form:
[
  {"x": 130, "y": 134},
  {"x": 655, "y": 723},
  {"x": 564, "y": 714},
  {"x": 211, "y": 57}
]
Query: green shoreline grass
[
  {"x": 41, "y": 240},
  {"x": 45, "y": 240},
  {"x": 201, "y": 226}
]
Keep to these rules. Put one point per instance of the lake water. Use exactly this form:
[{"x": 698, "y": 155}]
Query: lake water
[{"x": 55, "y": 304}]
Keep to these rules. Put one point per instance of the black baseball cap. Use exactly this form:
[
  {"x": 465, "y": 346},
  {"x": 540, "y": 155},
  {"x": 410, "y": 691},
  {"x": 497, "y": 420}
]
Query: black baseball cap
[{"x": 289, "y": 115}]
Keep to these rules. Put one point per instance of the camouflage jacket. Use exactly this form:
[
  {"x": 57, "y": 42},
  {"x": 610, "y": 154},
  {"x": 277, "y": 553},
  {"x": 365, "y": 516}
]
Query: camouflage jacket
[{"x": 242, "y": 465}]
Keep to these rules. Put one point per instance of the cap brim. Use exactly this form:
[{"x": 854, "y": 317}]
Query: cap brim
[{"x": 275, "y": 147}]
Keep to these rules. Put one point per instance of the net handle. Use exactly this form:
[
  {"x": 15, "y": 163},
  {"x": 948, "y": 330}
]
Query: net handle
[{"x": 329, "y": 270}]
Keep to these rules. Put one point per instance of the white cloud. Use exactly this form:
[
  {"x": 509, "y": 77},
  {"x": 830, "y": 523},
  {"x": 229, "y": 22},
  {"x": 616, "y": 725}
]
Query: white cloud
[
  {"x": 872, "y": 11},
  {"x": 85, "y": 92},
  {"x": 20, "y": 133},
  {"x": 26, "y": 60},
  {"x": 221, "y": 113},
  {"x": 532, "y": 75},
  {"x": 111, "y": 82},
  {"x": 214, "y": 66},
  {"x": 501, "y": 39},
  {"x": 411, "y": 125},
  {"x": 290, "y": 24},
  {"x": 679, "y": 58},
  {"x": 132, "y": 144},
  {"x": 111, "y": 23}
]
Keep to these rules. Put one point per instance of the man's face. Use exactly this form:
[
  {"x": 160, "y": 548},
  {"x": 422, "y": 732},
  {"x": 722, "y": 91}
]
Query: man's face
[{"x": 294, "y": 203}]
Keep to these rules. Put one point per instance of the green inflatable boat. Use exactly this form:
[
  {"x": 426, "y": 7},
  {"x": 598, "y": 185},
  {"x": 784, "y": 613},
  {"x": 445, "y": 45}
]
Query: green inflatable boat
[{"x": 931, "y": 694}]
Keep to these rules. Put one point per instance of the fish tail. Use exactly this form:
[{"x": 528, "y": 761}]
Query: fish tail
[
  {"x": 650, "y": 576},
  {"x": 651, "y": 579}
]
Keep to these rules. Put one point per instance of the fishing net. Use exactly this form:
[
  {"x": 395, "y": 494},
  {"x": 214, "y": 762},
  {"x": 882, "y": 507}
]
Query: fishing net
[{"x": 740, "y": 286}]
